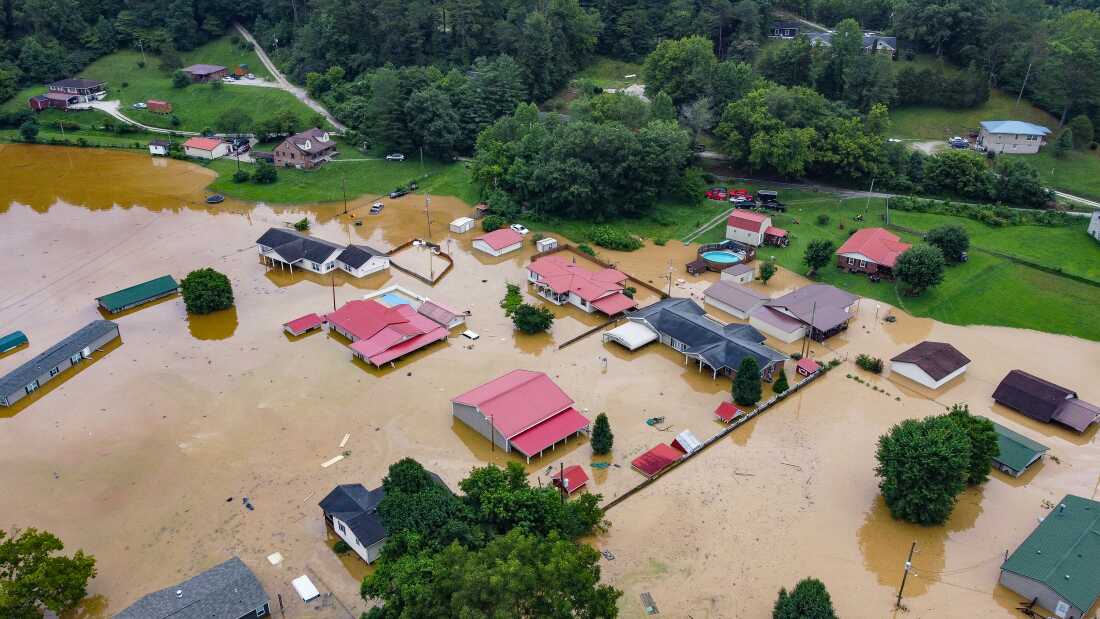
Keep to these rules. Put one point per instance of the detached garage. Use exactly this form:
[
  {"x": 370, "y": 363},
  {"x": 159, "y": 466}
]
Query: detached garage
[
  {"x": 932, "y": 364},
  {"x": 499, "y": 242},
  {"x": 463, "y": 224}
]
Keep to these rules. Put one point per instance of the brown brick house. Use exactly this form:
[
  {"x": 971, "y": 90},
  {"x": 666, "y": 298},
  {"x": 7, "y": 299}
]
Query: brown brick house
[
  {"x": 205, "y": 72},
  {"x": 306, "y": 150}
]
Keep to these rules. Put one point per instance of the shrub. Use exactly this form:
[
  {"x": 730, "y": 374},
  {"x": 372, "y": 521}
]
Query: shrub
[
  {"x": 767, "y": 271},
  {"x": 141, "y": 64},
  {"x": 869, "y": 363},
  {"x": 206, "y": 291},
  {"x": 920, "y": 268},
  {"x": 302, "y": 224},
  {"x": 180, "y": 79},
  {"x": 781, "y": 384},
  {"x": 809, "y": 600},
  {"x": 586, "y": 249},
  {"x": 493, "y": 222},
  {"x": 512, "y": 300},
  {"x": 530, "y": 319},
  {"x": 174, "y": 120},
  {"x": 819, "y": 252},
  {"x": 28, "y": 131},
  {"x": 614, "y": 238},
  {"x": 823, "y": 220},
  {"x": 125, "y": 84},
  {"x": 953, "y": 241},
  {"x": 264, "y": 173},
  {"x": 241, "y": 176},
  {"x": 602, "y": 438},
  {"x": 660, "y": 242},
  {"x": 630, "y": 291},
  {"x": 341, "y": 547}
]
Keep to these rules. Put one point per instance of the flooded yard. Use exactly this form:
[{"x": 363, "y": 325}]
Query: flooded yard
[{"x": 143, "y": 457}]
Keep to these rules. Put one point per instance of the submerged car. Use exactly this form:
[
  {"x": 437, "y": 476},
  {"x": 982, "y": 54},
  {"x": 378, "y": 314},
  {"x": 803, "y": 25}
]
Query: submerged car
[
  {"x": 395, "y": 157},
  {"x": 376, "y": 208},
  {"x": 519, "y": 228}
]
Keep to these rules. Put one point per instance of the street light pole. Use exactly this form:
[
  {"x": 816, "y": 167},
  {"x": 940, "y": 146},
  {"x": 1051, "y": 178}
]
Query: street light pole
[{"x": 905, "y": 576}]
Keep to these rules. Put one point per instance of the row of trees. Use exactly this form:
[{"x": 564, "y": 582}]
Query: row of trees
[{"x": 503, "y": 548}]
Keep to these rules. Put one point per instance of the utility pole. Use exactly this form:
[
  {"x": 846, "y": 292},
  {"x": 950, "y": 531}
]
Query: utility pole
[
  {"x": 669, "y": 278},
  {"x": 428, "y": 239},
  {"x": 1022, "y": 87},
  {"x": 344, "y": 188},
  {"x": 905, "y": 576},
  {"x": 810, "y": 331},
  {"x": 142, "y": 48},
  {"x": 492, "y": 439},
  {"x": 421, "y": 162},
  {"x": 332, "y": 278},
  {"x": 561, "y": 478}
]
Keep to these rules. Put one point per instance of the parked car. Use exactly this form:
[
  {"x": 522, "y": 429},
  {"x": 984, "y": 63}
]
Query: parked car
[
  {"x": 395, "y": 157},
  {"x": 397, "y": 193},
  {"x": 768, "y": 199},
  {"x": 740, "y": 196},
  {"x": 376, "y": 208},
  {"x": 519, "y": 228},
  {"x": 718, "y": 193},
  {"x": 227, "y": 79},
  {"x": 251, "y": 76},
  {"x": 139, "y": 106},
  {"x": 958, "y": 142}
]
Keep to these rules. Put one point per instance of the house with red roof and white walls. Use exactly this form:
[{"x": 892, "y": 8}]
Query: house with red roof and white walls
[
  {"x": 560, "y": 280},
  {"x": 871, "y": 250},
  {"x": 756, "y": 229}
]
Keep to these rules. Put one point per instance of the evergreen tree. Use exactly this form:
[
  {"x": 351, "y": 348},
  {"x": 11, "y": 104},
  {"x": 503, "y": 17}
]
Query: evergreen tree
[
  {"x": 602, "y": 438},
  {"x": 809, "y": 600},
  {"x": 746, "y": 384},
  {"x": 781, "y": 383},
  {"x": 1064, "y": 144}
]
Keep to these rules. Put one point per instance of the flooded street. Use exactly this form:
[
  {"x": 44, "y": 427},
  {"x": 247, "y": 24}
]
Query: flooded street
[{"x": 142, "y": 458}]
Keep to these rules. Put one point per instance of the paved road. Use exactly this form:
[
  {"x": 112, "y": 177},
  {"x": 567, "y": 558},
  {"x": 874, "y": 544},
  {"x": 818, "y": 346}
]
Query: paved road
[
  {"x": 112, "y": 109},
  {"x": 285, "y": 84}
]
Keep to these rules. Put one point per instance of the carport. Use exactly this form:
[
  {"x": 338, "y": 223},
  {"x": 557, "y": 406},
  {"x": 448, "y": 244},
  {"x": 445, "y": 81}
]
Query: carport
[{"x": 632, "y": 335}]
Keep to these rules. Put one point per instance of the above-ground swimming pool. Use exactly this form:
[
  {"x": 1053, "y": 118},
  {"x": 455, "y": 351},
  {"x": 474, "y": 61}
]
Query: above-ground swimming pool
[{"x": 722, "y": 257}]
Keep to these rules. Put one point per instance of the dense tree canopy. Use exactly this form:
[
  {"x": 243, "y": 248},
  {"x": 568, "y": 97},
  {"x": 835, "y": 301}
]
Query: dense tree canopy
[
  {"x": 923, "y": 466},
  {"x": 919, "y": 268},
  {"x": 34, "y": 577},
  {"x": 808, "y": 600},
  {"x": 206, "y": 290}
]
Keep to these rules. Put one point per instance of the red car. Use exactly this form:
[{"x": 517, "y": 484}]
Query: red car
[
  {"x": 718, "y": 193},
  {"x": 740, "y": 195}
]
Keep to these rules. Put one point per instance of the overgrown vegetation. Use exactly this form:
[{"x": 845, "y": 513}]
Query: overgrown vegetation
[
  {"x": 869, "y": 363},
  {"x": 615, "y": 238}
]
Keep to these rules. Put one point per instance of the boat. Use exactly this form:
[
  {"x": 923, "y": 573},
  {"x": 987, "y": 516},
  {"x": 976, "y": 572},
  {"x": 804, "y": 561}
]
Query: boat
[{"x": 215, "y": 199}]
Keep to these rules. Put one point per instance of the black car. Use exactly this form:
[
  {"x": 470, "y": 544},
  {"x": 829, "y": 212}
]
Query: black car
[
  {"x": 397, "y": 193},
  {"x": 769, "y": 200}
]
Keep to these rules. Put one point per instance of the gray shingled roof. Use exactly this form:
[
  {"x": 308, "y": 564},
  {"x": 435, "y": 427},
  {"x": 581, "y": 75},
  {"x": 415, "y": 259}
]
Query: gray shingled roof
[
  {"x": 356, "y": 256},
  {"x": 721, "y": 346},
  {"x": 293, "y": 245},
  {"x": 735, "y": 296},
  {"x": 356, "y": 506},
  {"x": 51, "y": 357},
  {"x": 820, "y": 303},
  {"x": 226, "y": 591}
]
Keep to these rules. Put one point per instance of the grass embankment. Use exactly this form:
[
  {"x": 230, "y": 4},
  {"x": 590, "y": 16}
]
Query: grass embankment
[
  {"x": 371, "y": 177},
  {"x": 198, "y": 105},
  {"x": 1077, "y": 173},
  {"x": 611, "y": 73},
  {"x": 940, "y": 123},
  {"x": 987, "y": 289}
]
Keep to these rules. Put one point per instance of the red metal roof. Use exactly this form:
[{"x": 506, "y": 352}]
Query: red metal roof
[
  {"x": 517, "y": 401},
  {"x": 303, "y": 324},
  {"x": 500, "y": 238},
  {"x": 748, "y": 220},
  {"x": 533, "y": 440},
  {"x": 202, "y": 143},
  {"x": 613, "y": 304},
  {"x": 563, "y": 275},
  {"x": 807, "y": 365},
  {"x": 402, "y": 348},
  {"x": 382, "y": 333},
  {"x": 878, "y": 244},
  {"x": 773, "y": 231},
  {"x": 575, "y": 478},
  {"x": 727, "y": 411},
  {"x": 656, "y": 460}
]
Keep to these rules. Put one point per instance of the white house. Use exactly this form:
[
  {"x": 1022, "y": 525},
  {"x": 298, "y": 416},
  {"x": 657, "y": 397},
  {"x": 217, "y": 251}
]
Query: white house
[
  {"x": 733, "y": 299},
  {"x": 362, "y": 260},
  {"x": 205, "y": 148},
  {"x": 1094, "y": 225},
  {"x": 1011, "y": 136},
  {"x": 932, "y": 364},
  {"x": 463, "y": 224},
  {"x": 740, "y": 273},
  {"x": 747, "y": 227},
  {"x": 159, "y": 147},
  {"x": 290, "y": 248},
  {"x": 499, "y": 242}
]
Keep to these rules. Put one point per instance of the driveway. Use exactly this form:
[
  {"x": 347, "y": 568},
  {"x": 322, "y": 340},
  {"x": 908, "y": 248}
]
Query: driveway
[
  {"x": 283, "y": 83},
  {"x": 112, "y": 109}
]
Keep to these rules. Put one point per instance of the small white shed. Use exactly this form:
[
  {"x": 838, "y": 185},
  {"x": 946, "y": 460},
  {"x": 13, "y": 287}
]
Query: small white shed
[
  {"x": 738, "y": 274},
  {"x": 463, "y": 224},
  {"x": 543, "y": 245}
]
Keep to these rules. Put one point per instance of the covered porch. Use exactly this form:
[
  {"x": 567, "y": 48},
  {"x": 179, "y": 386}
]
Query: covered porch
[{"x": 533, "y": 442}]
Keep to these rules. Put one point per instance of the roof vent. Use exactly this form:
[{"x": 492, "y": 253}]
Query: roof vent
[{"x": 179, "y": 592}]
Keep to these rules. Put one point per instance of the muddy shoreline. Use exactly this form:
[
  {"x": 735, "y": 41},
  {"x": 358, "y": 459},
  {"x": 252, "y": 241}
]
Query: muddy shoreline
[{"x": 134, "y": 458}]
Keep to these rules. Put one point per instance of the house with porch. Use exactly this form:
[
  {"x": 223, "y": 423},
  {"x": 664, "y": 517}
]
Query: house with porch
[
  {"x": 288, "y": 248},
  {"x": 756, "y": 229},
  {"x": 683, "y": 325},
  {"x": 819, "y": 310},
  {"x": 84, "y": 90},
  {"x": 523, "y": 411},
  {"x": 871, "y": 250},
  {"x": 560, "y": 280},
  {"x": 380, "y": 334},
  {"x": 306, "y": 150},
  {"x": 226, "y": 591}
]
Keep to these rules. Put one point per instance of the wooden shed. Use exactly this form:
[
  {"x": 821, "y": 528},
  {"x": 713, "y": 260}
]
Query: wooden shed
[{"x": 158, "y": 107}]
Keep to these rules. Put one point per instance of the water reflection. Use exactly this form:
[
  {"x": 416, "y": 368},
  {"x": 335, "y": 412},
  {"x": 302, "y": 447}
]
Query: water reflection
[
  {"x": 214, "y": 326},
  {"x": 58, "y": 381}
]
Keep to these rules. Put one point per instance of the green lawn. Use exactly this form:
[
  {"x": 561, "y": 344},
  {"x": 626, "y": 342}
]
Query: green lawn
[
  {"x": 940, "y": 123},
  {"x": 611, "y": 73},
  {"x": 985, "y": 290},
  {"x": 370, "y": 178},
  {"x": 198, "y": 105},
  {"x": 1078, "y": 173}
]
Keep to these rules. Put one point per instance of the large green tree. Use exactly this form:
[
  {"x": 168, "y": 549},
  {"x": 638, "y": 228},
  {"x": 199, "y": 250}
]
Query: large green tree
[
  {"x": 808, "y": 600},
  {"x": 952, "y": 240},
  {"x": 1067, "y": 78},
  {"x": 34, "y": 576},
  {"x": 984, "y": 445},
  {"x": 206, "y": 290},
  {"x": 746, "y": 383},
  {"x": 818, "y": 253},
  {"x": 433, "y": 122},
  {"x": 923, "y": 465},
  {"x": 680, "y": 68},
  {"x": 920, "y": 268}
]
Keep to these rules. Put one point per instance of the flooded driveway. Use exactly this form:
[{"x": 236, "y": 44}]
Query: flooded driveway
[{"x": 143, "y": 458}]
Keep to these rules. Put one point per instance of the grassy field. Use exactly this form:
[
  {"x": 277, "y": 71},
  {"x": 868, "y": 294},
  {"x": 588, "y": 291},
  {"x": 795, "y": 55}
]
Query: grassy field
[
  {"x": 198, "y": 105},
  {"x": 940, "y": 123},
  {"x": 987, "y": 289},
  {"x": 611, "y": 73},
  {"x": 370, "y": 178},
  {"x": 1078, "y": 173}
]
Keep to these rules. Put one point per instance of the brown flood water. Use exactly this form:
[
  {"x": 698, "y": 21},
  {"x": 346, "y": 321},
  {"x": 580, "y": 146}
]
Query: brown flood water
[{"x": 134, "y": 458}]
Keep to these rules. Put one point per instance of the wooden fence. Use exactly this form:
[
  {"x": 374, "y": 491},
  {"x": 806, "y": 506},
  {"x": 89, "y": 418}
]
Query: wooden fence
[
  {"x": 760, "y": 409},
  {"x": 431, "y": 282}
]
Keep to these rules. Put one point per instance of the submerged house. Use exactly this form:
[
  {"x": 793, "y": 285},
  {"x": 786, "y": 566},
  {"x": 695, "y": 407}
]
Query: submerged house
[
  {"x": 362, "y": 260},
  {"x": 818, "y": 310},
  {"x": 29, "y": 377},
  {"x": 290, "y": 248},
  {"x": 138, "y": 294},
  {"x": 226, "y": 591},
  {"x": 381, "y": 334},
  {"x": 733, "y": 299},
  {"x": 1017, "y": 452},
  {"x": 1056, "y": 566},
  {"x": 932, "y": 364},
  {"x": 1044, "y": 401},
  {"x": 352, "y": 512},
  {"x": 499, "y": 242},
  {"x": 683, "y": 325},
  {"x": 522, "y": 410},
  {"x": 562, "y": 281}
]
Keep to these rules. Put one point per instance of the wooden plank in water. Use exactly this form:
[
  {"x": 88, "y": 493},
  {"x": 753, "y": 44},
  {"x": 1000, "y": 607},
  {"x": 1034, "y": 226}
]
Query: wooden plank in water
[{"x": 648, "y": 604}]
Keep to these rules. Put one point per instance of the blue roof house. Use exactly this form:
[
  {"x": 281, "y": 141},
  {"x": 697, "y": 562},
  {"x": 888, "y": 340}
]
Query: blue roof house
[{"x": 1012, "y": 136}]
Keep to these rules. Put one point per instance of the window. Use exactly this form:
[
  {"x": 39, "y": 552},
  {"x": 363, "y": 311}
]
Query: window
[
  {"x": 75, "y": 359},
  {"x": 851, "y": 260},
  {"x": 261, "y": 611},
  {"x": 55, "y": 371},
  {"x": 862, "y": 263},
  {"x": 340, "y": 527}
]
